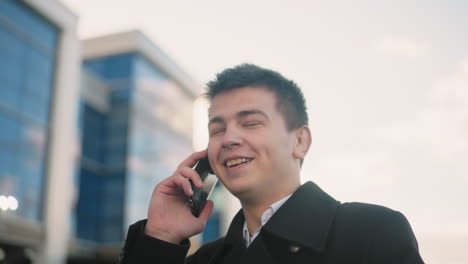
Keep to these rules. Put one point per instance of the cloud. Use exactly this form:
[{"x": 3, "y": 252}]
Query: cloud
[
  {"x": 448, "y": 106},
  {"x": 400, "y": 46},
  {"x": 442, "y": 125},
  {"x": 416, "y": 165},
  {"x": 354, "y": 175}
]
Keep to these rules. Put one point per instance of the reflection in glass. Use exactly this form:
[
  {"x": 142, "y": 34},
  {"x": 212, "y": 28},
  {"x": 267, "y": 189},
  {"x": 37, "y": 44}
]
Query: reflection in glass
[
  {"x": 27, "y": 52},
  {"x": 141, "y": 138}
]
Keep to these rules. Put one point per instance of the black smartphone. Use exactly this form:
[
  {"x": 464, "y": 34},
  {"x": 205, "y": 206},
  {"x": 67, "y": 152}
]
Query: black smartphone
[{"x": 199, "y": 197}]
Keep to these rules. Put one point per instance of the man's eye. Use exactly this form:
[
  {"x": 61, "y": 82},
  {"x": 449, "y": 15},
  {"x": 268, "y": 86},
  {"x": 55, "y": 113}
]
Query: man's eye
[
  {"x": 251, "y": 124},
  {"x": 216, "y": 131}
]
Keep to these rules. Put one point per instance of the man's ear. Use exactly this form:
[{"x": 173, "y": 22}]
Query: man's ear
[{"x": 302, "y": 142}]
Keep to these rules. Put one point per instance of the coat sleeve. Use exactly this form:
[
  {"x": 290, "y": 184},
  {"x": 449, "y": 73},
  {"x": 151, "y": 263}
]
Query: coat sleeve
[
  {"x": 394, "y": 242},
  {"x": 140, "y": 248}
]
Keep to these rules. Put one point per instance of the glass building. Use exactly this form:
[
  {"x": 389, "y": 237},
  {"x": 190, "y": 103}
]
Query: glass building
[
  {"x": 32, "y": 73},
  {"x": 79, "y": 158},
  {"x": 135, "y": 126},
  {"x": 27, "y": 52}
]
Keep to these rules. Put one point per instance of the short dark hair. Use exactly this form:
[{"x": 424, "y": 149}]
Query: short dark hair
[{"x": 290, "y": 100}]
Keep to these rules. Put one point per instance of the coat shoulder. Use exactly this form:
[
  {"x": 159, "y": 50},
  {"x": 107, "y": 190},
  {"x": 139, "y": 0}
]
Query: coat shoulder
[
  {"x": 355, "y": 223},
  {"x": 363, "y": 218},
  {"x": 365, "y": 211},
  {"x": 360, "y": 225},
  {"x": 381, "y": 234}
]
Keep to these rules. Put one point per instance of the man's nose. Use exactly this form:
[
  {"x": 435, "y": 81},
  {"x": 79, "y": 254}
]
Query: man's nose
[{"x": 232, "y": 137}]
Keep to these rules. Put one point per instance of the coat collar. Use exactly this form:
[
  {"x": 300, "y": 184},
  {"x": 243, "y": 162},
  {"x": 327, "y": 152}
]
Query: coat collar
[{"x": 306, "y": 218}]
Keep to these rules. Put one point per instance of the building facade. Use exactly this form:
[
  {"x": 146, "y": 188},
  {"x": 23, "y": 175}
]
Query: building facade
[
  {"x": 135, "y": 126},
  {"x": 88, "y": 129},
  {"x": 39, "y": 63}
]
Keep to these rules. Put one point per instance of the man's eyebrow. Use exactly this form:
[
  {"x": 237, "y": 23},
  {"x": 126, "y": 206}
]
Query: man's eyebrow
[
  {"x": 240, "y": 114},
  {"x": 216, "y": 119},
  {"x": 245, "y": 113}
]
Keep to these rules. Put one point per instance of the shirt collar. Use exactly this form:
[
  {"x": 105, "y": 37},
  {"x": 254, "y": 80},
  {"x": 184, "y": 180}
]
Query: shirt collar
[
  {"x": 265, "y": 217},
  {"x": 313, "y": 211}
]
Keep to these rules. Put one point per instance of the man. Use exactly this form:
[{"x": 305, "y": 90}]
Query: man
[{"x": 258, "y": 138}]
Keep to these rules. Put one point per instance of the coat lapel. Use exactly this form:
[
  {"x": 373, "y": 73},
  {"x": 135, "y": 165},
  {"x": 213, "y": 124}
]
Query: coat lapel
[
  {"x": 302, "y": 224},
  {"x": 232, "y": 240},
  {"x": 305, "y": 219}
]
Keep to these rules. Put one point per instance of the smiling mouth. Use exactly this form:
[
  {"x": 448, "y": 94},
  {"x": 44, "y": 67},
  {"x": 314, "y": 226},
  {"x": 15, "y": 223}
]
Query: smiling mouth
[{"x": 236, "y": 162}]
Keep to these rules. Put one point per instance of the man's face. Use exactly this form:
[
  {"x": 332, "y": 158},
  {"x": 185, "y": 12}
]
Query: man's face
[{"x": 250, "y": 148}]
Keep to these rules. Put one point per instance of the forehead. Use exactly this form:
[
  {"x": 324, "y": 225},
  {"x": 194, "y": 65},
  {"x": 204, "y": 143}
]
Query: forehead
[{"x": 244, "y": 98}]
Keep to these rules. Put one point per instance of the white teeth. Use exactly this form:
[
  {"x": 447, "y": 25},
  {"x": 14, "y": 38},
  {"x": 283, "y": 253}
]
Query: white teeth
[{"x": 231, "y": 163}]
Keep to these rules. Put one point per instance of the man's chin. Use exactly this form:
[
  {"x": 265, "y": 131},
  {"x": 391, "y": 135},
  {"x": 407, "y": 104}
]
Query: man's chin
[
  {"x": 243, "y": 192},
  {"x": 238, "y": 189}
]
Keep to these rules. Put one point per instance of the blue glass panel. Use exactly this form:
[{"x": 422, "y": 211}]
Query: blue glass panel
[
  {"x": 36, "y": 92},
  {"x": 39, "y": 69},
  {"x": 27, "y": 44},
  {"x": 35, "y": 107},
  {"x": 112, "y": 231},
  {"x": 33, "y": 142},
  {"x": 10, "y": 68},
  {"x": 9, "y": 92},
  {"x": 28, "y": 177},
  {"x": 95, "y": 66},
  {"x": 9, "y": 185},
  {"x": 121, "y": 95},
  {"x": 94, "y": 134},
  {"x": 112, "y": 67},
  {"x": 118, "y": 70},
  {"x": 29, "y": 201},
  {"x": 111, "y": 141},
  {"x": 10, "y": 129},
  {"x": 114, "y": 196},
  {"x": 89, "y": 206},
  {"x": 6, "y": 162},
  {"x": 113, "y": 209},
  {"x": 119, "y": 66},
  {"x": 10, "y": 46},
  {"x": 29, "y": 22},
  {"x": 30, "y": 171},
  {"x": 145, "y": 69},
  {"x": 80, "y": 119}
]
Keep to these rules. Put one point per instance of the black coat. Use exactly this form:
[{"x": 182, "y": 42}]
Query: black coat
[{"x": 311, "y": 227}]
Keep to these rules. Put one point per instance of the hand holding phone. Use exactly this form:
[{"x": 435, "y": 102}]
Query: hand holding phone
[
  {"x": 199, "y": 197},
  {"x": 169, "y": 219}
]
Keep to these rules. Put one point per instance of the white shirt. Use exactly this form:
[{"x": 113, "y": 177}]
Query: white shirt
[{"x": 248, "y": 239}]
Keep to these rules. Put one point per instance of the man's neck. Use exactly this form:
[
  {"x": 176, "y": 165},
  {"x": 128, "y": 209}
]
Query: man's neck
[{"x": 253, "y": 209}]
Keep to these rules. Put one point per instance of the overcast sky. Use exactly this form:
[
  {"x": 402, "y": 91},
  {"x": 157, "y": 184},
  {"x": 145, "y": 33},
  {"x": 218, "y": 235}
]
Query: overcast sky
[{"x": 386, "y": 84}]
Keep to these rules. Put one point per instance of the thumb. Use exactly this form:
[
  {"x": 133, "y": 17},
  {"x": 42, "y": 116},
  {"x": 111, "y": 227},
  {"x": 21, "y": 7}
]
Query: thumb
[{"x": 206, "y": 211}]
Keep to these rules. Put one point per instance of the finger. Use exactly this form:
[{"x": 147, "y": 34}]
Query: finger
[
  {"x": 183, "y": 182},
  {"x": 192, "y": 175},
  {"x": 193, "y": 158},
  {"x": 206, "y": 211}
]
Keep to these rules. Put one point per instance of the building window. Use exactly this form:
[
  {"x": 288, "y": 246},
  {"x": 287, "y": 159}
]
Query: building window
[{"x": 27, "y": 52}]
